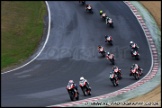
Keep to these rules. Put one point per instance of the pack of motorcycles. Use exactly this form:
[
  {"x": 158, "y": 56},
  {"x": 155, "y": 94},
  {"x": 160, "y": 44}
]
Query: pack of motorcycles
[{"x": 114, "y": 76}]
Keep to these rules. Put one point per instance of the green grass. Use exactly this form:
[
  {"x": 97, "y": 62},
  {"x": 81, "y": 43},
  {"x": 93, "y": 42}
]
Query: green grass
[{"x": 21, "y": 30}]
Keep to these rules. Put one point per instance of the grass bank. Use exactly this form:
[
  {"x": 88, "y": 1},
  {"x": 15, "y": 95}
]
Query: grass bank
[{"x": 21, "y": 30}]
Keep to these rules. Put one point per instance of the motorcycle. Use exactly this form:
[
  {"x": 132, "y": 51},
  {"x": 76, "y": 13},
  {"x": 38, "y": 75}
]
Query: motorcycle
[
  {"x": 118, "y": 73},
  {"x": 73, "y": 93},
  {"x": 109, "y": 40},
  {"x": 111, "y": 58},
  {"x": 89, "y": 9},
  {"x": 85, "y": 89},
  {"x": 83, "y": 2},
  {"x": 101, "y": 50},
  {"x": 114, "y": 79},
  {"x": 110, "y": 22},
  {"x": 135, "y": 73},
  {"x": 135, "y": 54}
]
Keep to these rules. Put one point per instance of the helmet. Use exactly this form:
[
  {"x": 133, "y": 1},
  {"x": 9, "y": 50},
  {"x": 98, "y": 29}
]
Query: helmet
[
  {"x": 131, "y": 42},
  {"x": 114, "y": 67},
  {"x": 99, "y": 46},
  {"x": 71, "y": 81},
  {"x": 81, "y": 78},
  {"x": 101, "y": 11},
  {"x": 108, "y": 53},
  {"x": 133, "y": 64}
]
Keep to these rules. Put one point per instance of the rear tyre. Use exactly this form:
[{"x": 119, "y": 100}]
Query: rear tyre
[
  {"x": 84, "y": 91},
  {"x": 71, "y": 97},
  {"x": 77, "y": 98},
  {"x": 136, "y": 76},
  {"x": 114, "y": 83}
]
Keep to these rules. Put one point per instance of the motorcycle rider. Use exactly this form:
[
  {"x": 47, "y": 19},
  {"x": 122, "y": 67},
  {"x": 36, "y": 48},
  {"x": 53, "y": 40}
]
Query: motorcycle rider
[
  {"x": 116, "y": 69},
  {"x": 133, "y": 45},
  {"x": 88, "y": 6},
  {"x": 115, "y": 76},
  {"x": 100, "y": 47},
  {"x": 109, "y": 56},
  {"x": 82, "y": 79},
  {"x": 101, "y": 12},
  {"x": 72, "y": 82},
  {"x": 107, "y": 36},
  {"x": 82, "y": 2},
  {"x": 136, "y": 66},
  {"x": 107, "y": 19}
]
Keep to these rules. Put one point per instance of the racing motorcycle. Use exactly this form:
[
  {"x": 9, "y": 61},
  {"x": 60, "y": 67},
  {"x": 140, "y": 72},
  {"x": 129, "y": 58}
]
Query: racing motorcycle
[
  {"x": 114, "y": 79},
  {"x": 85, "y": 89},
  {"x": 135, "y": 54},
  {"x": 110, "y": 22},
  {"x": 111, "y": 58},
  {"x": 101, "y": 50},
  {"x": 83, "y": 2},
  {"x": 135, "y": 73},
  {"x": 73, "y": 93},
  {"x": 89, "y": 9},
  {"x": 118, "y": 73},
  {"x": 109, "y": 40}
]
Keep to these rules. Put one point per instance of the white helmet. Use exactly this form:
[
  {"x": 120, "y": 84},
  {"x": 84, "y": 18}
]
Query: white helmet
[
  {"x": 71, "y": 81},
  {"x": 81, "y": 78},
  {"x": 131, "y": 42}
]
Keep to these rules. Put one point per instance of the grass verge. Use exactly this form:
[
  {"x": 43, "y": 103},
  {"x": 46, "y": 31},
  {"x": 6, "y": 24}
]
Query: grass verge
[{"x": 22, "y": 28}]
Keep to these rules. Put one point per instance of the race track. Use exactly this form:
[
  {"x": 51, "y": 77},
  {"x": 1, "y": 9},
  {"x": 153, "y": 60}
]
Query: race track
[{"x": 71, "y": 52}]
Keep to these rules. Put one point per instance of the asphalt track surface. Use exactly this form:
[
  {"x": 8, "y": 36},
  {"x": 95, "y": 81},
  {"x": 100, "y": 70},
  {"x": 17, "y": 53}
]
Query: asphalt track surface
[{"x": 71, "y": 52}]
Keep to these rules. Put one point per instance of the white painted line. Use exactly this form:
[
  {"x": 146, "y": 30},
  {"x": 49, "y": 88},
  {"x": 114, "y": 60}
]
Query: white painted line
[{"x": 49, "y": 28}]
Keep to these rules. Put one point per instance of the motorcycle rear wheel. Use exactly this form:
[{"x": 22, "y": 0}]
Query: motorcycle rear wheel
[
  {"x": 136, "y": 76},
  {"x": 114, "y": 83},
  {"x": 77, "y": 98}
]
